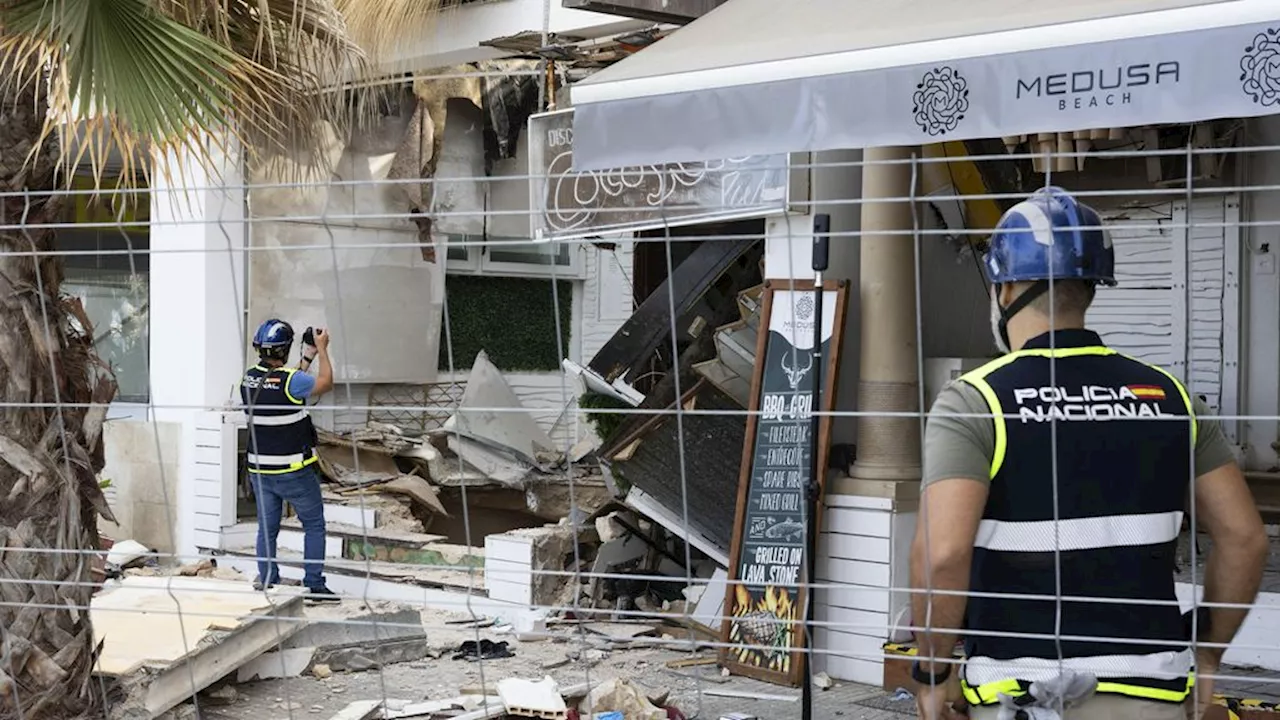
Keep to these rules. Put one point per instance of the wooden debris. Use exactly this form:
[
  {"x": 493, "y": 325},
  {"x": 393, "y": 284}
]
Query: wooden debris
[
  {"x": 692, "y": 662},
  {"x": 716, "y": 678}
]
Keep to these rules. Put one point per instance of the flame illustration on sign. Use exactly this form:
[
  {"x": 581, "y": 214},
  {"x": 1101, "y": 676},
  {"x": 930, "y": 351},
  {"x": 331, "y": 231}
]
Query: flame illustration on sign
[{"x": 762, "y": 630}]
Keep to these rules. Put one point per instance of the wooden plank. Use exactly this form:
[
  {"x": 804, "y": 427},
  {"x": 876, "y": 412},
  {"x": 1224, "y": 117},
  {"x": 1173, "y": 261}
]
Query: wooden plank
[
  {"x": 856, "y": 547},
  {"x": 835, "y": 570},
  {"x": 651, "y": 322},
  {"x": 857, "y": 598},
  {"x": 850, "y": 521}
]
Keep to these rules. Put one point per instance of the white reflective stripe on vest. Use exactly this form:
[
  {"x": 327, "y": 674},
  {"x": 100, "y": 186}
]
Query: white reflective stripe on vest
[
  {"x": 275, "y": 459},
  {"x": 1094, "y": 533},
  {"x": 289, "y": 419},
  {"x": 1168, "y": 665}
]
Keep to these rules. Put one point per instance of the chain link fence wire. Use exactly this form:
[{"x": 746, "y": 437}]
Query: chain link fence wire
[{"x": 532, "y": 459}]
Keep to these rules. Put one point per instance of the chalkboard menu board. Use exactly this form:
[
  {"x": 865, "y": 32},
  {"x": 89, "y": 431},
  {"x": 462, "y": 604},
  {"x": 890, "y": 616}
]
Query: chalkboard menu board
[
  {"x": 764, "y": 631},
  {"x": 569, "y": 204}
]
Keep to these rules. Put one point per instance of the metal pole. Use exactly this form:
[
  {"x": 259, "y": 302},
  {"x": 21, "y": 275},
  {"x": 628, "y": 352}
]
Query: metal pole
[{"x": 821, "y": 230}]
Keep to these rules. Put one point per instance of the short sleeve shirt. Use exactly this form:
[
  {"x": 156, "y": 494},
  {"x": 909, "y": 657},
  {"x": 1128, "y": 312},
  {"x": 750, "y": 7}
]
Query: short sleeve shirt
[{"x": 960, "y": 438}]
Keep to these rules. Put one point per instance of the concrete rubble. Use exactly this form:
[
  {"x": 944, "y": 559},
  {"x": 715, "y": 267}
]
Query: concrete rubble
[{"x": 584, "y": 590}]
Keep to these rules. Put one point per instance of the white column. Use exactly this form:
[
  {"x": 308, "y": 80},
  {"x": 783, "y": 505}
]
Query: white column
[{"x": 198, "y": 239}]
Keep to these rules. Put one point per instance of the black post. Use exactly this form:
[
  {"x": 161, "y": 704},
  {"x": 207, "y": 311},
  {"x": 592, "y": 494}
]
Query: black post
[{"x": 821, "y": 230}]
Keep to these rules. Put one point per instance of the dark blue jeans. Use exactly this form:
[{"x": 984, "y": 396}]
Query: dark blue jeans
[{"x": 301, "y": 489}]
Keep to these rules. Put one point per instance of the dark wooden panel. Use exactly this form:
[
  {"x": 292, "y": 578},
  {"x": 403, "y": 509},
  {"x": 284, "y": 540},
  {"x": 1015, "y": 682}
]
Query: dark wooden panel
[
  {"x": 677, "y": 12},
  {"x": 650, "y": 324},
  {"x": 712, "y": 453}
]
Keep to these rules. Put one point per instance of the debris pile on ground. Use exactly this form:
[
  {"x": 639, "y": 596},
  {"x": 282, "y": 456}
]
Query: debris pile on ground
[{"x": 492, "y": 449}]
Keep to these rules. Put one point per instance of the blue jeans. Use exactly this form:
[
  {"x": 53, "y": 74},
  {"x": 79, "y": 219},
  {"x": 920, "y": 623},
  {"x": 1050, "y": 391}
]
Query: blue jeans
[{"x": 301, "y": 489}]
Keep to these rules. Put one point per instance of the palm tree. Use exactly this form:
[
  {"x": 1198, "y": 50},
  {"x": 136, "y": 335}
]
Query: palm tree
[{"x": 172, "y": 78}]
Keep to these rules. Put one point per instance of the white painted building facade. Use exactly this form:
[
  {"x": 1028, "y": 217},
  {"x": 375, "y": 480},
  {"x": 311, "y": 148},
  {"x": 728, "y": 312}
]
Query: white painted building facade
[{"x": 168, "y": 459}]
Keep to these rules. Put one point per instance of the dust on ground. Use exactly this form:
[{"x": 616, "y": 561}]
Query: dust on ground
[{"x": 571, "y": 656}]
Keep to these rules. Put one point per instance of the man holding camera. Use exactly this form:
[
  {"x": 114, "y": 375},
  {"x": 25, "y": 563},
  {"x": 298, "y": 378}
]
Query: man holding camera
[{"x": 281, "y": 454}]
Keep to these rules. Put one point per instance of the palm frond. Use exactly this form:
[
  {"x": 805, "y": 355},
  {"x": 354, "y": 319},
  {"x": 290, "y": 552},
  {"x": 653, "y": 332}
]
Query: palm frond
[
  {"x": 175, "y": 75},
  {"x": 383, "y": 27}
]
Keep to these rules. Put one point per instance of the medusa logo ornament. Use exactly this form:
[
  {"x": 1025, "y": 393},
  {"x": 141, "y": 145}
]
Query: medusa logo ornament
[
  {"x": 804, "y": 307},
  {"x": 941, "y": 100},
  {"x": 1260, "y": 68}
]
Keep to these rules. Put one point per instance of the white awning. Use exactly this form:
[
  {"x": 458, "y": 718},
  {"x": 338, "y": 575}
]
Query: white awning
[{"x": 763, "y": 76}]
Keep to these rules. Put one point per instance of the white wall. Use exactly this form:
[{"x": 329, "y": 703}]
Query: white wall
[
  {"x": 954, "y": 304},
  {"x": 143, "y": 464},
  {"x": 197, "y": 310},
  {"x": 602, "y": 303},
  {"x": 346, "y": 257},
  {"x": 197, "y": 288},
  {"x": 1260, "y": 275}
]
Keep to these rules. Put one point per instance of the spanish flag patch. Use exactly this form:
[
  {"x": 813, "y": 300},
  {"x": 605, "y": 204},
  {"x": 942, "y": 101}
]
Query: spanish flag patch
[{"x": 1147, "y": 392}]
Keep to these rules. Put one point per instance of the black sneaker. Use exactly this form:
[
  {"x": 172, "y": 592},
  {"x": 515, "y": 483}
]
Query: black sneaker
[
  {"x": 322, "y": 595},
  {"x": 257, "y": 585}
]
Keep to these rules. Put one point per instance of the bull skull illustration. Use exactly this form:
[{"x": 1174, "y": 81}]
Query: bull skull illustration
[{"x": 795, "y": 375}]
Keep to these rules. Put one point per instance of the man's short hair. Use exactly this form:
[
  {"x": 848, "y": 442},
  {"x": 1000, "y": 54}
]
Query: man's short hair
[{"x": 1066, "y": 297}]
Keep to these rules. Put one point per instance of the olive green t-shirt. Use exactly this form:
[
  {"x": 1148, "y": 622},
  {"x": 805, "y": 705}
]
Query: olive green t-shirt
[{"x": 963, "y": 447}]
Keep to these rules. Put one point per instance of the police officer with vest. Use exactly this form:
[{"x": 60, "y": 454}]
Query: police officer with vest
[
  {"x": 1058, "y": 472},
  {"x": 281, "y": 454}
]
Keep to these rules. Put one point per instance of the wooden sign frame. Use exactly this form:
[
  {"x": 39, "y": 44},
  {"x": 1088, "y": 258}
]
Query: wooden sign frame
[{"x": 784, "y": 668}]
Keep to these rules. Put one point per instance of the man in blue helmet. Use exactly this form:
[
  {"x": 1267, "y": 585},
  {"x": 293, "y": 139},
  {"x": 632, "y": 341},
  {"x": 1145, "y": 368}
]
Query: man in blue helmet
[
  {"x": 281, "y": 454},
  {"x": 1058, "y": 472}
]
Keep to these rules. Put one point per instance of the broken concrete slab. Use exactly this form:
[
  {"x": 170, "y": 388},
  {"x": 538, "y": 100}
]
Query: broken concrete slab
[
  {"x": 360, "y": 710},
  {"x": 332, "y": 627},
  {"x": 418, "y": 490},
  {"x": 344, "y": 642},
  {"x": 500, "y": 467},
  {"x": 361, "y": 656},
  {"x": 187, "y": 632},
  {"x": 527, "y": 698},
  {"x": 526, "y": 566},
  {"x": 491, "y": 412},
  {"x": 293, "y": 662}
]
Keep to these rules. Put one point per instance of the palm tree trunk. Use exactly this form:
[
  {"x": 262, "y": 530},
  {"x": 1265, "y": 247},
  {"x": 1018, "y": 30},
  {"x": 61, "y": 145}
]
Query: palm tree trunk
[{"x": 50, "y": 445}]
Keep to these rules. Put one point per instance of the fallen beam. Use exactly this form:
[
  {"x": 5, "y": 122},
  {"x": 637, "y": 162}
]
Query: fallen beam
[{"x": 206, "y": 665}]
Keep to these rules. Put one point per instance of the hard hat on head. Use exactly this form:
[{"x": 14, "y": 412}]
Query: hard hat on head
[
  {"x": 273, "y": 335},
  {"x": 1050, "y": 235}
]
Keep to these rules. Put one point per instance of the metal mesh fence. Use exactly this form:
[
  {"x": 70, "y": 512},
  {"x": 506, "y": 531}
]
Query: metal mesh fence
[{"x": 531, "y": 462}]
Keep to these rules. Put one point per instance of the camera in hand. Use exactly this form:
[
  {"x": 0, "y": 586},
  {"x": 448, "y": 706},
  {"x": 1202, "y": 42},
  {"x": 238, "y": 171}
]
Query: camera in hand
[{"x": 309, "y": 336}]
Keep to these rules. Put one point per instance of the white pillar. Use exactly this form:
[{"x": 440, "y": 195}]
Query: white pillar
[{"x": 198, "y": 240}]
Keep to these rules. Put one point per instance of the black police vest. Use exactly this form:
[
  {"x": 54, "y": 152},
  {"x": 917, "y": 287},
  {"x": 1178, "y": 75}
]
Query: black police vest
[
  {"x": 1123, "y": 450},
  {"x": 281, "y": 436}
]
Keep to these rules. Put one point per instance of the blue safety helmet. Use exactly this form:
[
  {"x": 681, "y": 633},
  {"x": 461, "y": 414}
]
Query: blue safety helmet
[
  {"x": 1050, "y": 235},
  {"x": 273, "y": 336}
]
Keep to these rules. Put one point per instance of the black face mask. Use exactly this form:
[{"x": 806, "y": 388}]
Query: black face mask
[{"x": 1037, "y": 289}]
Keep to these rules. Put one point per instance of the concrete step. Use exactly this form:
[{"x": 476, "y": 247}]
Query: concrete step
[
  {"x": 383, "y": 545},
  {"x": 411, "y": 586},
  {"x": 345, "y": 542}
]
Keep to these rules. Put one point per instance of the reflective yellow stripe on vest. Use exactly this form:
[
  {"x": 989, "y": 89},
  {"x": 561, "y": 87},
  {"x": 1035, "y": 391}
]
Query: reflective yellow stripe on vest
[
  {"x": 989, "y": 693},
  {"x": 293, "y": 467},
  {"x": 977, "y": 378}
]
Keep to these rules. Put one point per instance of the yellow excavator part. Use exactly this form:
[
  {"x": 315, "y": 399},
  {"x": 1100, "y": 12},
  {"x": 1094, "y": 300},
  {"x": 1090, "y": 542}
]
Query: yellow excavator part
[{"x": 960, "y": 173}]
